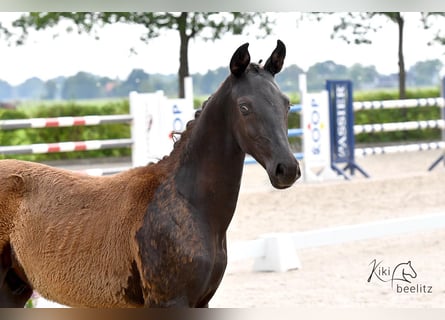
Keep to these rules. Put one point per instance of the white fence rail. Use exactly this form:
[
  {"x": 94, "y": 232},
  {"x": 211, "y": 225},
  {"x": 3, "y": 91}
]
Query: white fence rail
[
  {"x": 399, "y": 126},
  {"x": 278, "y": 251},
  {"x": 397, "y": 104}
]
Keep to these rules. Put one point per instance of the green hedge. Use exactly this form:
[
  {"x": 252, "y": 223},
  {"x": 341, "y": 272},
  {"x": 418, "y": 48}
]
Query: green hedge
[{"x": 377, "y": 95}]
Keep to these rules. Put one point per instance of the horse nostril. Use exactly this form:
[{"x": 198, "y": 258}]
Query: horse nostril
[
  {"x": 280, "y": 170},
  {"x": 284, "y": 174}
]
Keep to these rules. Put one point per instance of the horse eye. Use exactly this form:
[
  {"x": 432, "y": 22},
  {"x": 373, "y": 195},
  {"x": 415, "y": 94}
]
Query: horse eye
[
  {"x": 244, "y": 109},
  {"x": 287, "y": 103}
]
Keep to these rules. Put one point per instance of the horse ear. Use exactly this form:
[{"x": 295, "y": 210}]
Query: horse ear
[
  {"x": 275, "y": 62},
  {"x": 240, "y": 60}
]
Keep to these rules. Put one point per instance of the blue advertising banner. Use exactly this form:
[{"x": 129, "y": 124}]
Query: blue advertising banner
[{"x": 341, "y": 119}]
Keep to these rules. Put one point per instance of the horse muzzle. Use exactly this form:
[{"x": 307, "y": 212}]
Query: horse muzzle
[{"x": 283, "y": 174}]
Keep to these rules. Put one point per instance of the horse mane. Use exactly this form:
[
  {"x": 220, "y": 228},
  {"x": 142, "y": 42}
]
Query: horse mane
[
  {"x": 183, "y": 136},
  {"x": 181, "y": 139},
  {"x": 256, "y": 67}
]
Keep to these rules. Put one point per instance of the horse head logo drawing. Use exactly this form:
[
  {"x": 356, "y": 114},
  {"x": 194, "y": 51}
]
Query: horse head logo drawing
[
  {"x": 401, "y": 277},
  {"x": 402, "y": 271}
]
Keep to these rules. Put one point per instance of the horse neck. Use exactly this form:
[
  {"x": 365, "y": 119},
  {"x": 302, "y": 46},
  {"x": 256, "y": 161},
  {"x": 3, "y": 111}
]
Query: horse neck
[{"x": 209, "y": 174}]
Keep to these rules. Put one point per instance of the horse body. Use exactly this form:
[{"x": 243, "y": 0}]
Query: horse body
[
  {"x": 150, "y": 236},
  {"x": 71, "y": 235}
]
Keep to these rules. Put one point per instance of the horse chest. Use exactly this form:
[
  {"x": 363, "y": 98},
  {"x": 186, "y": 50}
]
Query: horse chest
[
  {"x": 174, "y": 275},
  {"x": 216, "y": 273},
  {"x": 182, "y": 262}
]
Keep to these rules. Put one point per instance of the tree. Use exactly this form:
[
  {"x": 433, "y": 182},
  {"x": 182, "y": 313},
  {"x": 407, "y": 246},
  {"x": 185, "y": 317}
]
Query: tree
[
  {"x": 363, "y": 23},
  {"x": 207, "y": 83},
  {"x": 32, "y": 88},
  {"x": 6, "y": 91},
  {"x": 4, "y": 32},
  {"x": 318, "y": 73},
  {"x": 363, "y": 77},
  {"x": 189, "y": 25},
  {"x": 50, "y": 90},
  {"x": 135, "y": 79},
  {"x": 430, "y": 21},
  {"x": 83, "y": 85},
  {"x": 288, "y": 80},
  {"x": 425, "y": 73}
]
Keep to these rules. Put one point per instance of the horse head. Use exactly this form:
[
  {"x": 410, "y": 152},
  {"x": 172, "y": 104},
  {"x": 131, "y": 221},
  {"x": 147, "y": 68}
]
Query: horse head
[{"x": 260, "y": 112}]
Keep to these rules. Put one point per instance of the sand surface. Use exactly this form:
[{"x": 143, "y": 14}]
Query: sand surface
[{"x": 336, "y": 275}]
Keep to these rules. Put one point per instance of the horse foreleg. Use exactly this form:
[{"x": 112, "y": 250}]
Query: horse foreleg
[
  {"x": 14, "y": 292},
  {"x": 179, "y": 302}
]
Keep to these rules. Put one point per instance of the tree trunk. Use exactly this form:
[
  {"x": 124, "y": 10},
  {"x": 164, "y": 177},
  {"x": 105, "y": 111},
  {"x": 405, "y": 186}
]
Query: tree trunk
[
  {"x": 183, "y": 53},
  {"x": 402, "y": 74}
]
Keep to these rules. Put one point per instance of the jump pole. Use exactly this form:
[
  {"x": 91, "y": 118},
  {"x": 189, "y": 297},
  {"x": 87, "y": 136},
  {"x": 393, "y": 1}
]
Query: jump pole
[{"x": 442, "y": 114}]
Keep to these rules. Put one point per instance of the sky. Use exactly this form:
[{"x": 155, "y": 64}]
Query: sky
[{"x": 307, "y": 42}]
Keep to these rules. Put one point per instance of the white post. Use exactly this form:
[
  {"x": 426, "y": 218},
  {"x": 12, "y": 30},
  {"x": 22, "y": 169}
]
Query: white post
[
  {"x": 188, "y": 89},
  {"x": 279, "y": 254},
  {"x": 302, "y": 83},
  {"x": 155, "y": 118},
  {"x": 316, "y": 137}
]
